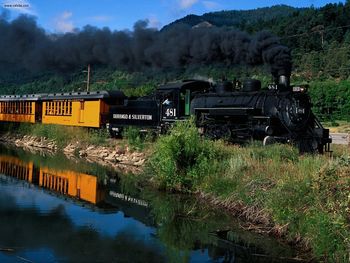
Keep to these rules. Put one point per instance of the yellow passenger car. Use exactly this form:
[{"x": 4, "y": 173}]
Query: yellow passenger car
[
  {"x": 20, "y": 108},
  {"x": 86, "y": 109}
]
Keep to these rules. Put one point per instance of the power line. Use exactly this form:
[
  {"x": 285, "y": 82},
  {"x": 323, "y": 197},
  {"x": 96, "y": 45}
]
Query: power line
[
  {"x": 300, "y": 53},
  {"x": 315, "y": 32}
]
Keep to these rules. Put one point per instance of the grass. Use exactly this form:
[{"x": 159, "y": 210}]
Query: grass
[
  {"x": 338, "y": 126},
  {"x": 62, "y": 135},
  {"x": 137, "y": 140},
  {"x": 306, "y": 198},
  {"x": 309, "y": 194}
]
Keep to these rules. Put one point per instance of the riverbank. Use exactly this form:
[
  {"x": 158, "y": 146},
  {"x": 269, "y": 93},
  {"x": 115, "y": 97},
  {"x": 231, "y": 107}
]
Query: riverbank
[
  {"x": 301, "y": 199},
  {"x": 186, "y": 229},
  {"x": 117, "y": 155}
]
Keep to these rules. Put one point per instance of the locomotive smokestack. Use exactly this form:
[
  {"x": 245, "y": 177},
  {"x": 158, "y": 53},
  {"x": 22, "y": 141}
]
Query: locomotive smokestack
[{"x": 284, "y": 80}]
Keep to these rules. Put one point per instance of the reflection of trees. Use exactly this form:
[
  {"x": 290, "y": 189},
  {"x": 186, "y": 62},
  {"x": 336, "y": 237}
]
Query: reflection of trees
[
  {"x": 182, "y": 227},
  {"x": 30, "y": 229},
  {"x": 185, "y": 225}
]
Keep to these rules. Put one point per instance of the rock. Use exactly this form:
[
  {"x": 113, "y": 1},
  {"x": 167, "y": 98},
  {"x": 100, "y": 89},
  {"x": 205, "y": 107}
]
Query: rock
[
  {"x": 103, "y": 155},
  {"x": 111, "y": 156},
  {"x": 70, "y": 148},
  {"x": 119, "y": 150},
  {"x": 119, "y": 156},
  {"x": 82, "y": 153},
  {"x": 140, "y": 162}
]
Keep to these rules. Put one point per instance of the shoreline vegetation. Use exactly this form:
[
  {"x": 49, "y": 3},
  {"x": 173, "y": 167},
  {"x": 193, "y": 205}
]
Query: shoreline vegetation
[{"x": 302, "y": 199}]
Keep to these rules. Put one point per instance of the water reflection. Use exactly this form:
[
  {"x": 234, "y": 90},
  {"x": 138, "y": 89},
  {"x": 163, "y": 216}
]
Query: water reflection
[
  {"x": 55, "y": 210},
  {"x": 73, "y": 184}
]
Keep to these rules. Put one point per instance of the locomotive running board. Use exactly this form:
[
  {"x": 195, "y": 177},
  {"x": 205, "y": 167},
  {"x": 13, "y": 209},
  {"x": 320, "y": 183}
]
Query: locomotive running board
[{"x": 228, "y": 111}]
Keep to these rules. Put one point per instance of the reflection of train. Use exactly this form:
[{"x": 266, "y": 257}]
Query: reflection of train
[
  {"x": 77, "y": 185},
  {"x": 74, "y": 184},
  {"x": 281, "y": 113}
]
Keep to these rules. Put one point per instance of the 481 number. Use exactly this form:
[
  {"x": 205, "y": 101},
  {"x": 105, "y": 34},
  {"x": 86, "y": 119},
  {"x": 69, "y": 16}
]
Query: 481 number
[{"x": 170, "y": 112}]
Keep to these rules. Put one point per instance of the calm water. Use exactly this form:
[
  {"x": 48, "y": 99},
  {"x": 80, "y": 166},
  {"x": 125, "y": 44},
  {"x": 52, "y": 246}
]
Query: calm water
[{"x": 57, "y": 210}]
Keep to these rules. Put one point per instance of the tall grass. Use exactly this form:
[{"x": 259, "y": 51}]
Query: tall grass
[
  {"x": 138, "y": 140},
  {"x": 308, "y": 194},
  {"x": 62, "y": 135}
]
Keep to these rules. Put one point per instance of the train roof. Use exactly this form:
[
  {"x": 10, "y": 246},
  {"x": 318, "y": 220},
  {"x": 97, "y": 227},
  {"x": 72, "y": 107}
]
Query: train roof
[
  {"x": 27, "y": 97},
  {"x": 64, "y": 96},
  {"x": 84, "y": 95},
  {"x": 186, "y": 84}
]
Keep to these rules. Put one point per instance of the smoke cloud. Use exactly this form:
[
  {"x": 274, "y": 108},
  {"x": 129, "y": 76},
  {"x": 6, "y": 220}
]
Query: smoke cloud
[{"x": 24, "y": 43}]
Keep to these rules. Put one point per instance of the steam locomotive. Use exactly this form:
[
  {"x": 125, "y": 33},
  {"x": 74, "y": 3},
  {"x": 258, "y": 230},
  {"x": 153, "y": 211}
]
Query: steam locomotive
[{"x": 281, "y": 113}]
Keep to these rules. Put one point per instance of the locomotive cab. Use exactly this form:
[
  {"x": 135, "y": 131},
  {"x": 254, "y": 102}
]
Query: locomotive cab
[
  {"x": 175, "y": 98},
  {"x": 170, "y": 105}
]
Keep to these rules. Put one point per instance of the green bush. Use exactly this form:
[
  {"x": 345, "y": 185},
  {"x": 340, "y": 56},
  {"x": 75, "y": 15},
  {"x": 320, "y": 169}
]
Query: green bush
[{"x": 183, "y": 158}]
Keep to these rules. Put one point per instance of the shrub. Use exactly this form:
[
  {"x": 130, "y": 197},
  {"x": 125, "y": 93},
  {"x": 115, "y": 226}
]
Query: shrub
[{"x": 183, "y": 158}]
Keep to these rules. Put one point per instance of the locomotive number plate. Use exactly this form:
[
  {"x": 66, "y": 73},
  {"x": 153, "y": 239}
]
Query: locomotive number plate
[{"x": 170, "y": 112}]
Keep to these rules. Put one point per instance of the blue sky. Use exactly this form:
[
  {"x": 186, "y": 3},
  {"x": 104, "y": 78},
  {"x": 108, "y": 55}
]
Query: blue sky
[{"x": 65, "y": 15}]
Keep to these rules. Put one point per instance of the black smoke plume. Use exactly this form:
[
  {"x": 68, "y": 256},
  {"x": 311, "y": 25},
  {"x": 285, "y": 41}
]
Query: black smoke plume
[{"x": 24, "y": 43}]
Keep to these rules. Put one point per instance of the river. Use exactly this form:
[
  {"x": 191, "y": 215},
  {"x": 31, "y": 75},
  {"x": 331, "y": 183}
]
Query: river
[{"x": 54, "y": 209}]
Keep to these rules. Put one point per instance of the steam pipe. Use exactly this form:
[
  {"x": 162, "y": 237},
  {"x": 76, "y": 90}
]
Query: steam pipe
[{"x": 284, "y": 80}]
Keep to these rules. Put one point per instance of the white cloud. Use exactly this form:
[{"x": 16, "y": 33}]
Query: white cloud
[
  {"x": 186, "y": 4},
  {"x": 153, "y": 22},
  {"x": 19, "y": 6},
  {"x": 211, "y": 5},
  {"x": 63, "y": 22}
]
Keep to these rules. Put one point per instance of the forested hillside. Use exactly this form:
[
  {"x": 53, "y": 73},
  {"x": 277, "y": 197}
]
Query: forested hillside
[{"x": 319, "y": 39}]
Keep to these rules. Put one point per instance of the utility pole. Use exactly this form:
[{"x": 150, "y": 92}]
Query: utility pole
[
  {"x": 88, "y": 79},
  {"x": 319, "y": 29},
  {"x": 322, "y": 37}
]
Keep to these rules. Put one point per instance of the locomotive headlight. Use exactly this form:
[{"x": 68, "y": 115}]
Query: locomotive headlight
[
  {"x": 301, "y": 89},
  {"x": 300, "y": 111},
  {"x": 295, "y": 111}
]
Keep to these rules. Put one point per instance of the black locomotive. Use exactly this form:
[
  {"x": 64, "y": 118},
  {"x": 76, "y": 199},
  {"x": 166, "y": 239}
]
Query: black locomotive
[{"x": 281, "y": 113}]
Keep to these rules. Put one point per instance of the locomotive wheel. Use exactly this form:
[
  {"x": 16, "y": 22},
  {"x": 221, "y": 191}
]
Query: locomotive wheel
[
  {"x": 268, "y": 140},
  {"x": 308, "y": 146},
  {"x": 216, "y": 132}
]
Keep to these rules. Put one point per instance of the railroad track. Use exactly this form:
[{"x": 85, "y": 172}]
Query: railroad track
[{"x": 340, "y": 138}]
